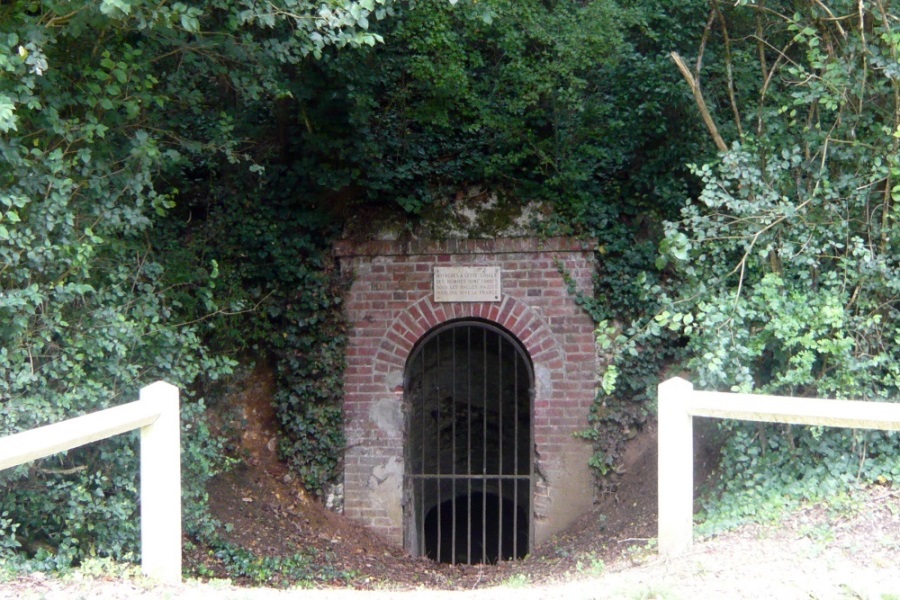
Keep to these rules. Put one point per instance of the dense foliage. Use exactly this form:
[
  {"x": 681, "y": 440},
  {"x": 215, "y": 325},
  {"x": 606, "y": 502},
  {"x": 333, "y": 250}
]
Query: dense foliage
[
  {"x": 173, "y": 174},
  {"x": 110, "y": 112},
  {"x": 562, "y": 102},
  {"x": 786, "y": 262}
]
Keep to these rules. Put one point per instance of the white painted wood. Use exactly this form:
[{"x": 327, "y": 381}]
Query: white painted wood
[
  {"x": 676, "y": 468},
  {"x": 161, "y": 486},
  {"x": 157, "y": 415},
  {"x": 801, "y": 411},
  {"x": 679, "y": 402},
  {"x": 43, "y": 441}
]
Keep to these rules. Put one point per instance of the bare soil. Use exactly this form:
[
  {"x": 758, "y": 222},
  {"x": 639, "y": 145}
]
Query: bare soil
[{"x": 271, "y": 515}]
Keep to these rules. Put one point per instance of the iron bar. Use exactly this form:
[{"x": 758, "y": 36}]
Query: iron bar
[
  {"x": 440, "y": 505},
  {"x": 516, "y": 452},
  {"x": 469, "y": 445},
  {"x": 424, "y": 393},
  {"x": 500, "y": 449},
  {"x": 449, "y": 477},
  {"x": 484, "y": 445},
  {"x": 453, "y": 444},
  {"x": 499, "y": 478}
]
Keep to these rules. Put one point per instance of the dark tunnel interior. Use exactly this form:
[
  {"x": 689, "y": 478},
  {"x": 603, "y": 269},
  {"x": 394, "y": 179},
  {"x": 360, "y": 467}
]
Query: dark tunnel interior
[{"x": 476, "y": 528}]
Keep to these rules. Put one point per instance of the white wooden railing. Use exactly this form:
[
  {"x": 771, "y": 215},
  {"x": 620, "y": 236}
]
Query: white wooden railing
[
  {"x": 679, "y": 403},
  {"x": 156, "y": 414}
]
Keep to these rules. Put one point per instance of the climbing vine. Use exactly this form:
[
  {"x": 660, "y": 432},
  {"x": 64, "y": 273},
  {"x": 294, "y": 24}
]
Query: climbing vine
[{"x": 786, "y": 262}]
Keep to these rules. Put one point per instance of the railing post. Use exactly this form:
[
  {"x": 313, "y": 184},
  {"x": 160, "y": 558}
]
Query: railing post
[
  {"x": 676, "y": 467},
  {"x": 161, "y": 485}
]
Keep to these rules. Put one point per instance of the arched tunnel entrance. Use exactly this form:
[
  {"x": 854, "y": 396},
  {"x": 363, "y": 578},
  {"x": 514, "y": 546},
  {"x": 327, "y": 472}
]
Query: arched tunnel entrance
[{"x": 469, "y": 457}]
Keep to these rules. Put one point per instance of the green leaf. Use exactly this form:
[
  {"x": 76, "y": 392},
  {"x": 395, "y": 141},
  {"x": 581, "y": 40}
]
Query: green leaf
[
  {"x": 190, "y": 22},
  {"x": 7, "y": 114}
]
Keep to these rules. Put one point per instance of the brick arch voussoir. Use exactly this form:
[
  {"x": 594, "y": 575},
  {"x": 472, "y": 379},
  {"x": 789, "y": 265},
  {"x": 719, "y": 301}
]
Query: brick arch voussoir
[{"x": 424, "y": 315}]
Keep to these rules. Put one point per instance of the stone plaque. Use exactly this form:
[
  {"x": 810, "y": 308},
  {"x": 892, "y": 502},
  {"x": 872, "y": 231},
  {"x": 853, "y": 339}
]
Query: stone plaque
[{"x": 467, "y": 284}]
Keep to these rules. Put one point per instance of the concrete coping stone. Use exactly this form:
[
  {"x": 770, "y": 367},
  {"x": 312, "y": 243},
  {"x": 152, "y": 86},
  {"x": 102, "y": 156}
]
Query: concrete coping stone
[{"x": 349, "y": 248}]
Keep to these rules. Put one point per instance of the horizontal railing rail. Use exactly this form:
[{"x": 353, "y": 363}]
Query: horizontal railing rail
[
  {"x": 156, "y": 414},
  {"x": 679, "y": 403}
]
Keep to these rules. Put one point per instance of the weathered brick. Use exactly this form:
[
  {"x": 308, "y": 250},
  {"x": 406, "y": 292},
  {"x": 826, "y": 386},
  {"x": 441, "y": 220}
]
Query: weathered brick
[{"x": 391, "y": 308}]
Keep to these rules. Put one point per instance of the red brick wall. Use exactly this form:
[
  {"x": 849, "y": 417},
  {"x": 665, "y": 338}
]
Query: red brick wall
[{"x": 390, "y": 307}]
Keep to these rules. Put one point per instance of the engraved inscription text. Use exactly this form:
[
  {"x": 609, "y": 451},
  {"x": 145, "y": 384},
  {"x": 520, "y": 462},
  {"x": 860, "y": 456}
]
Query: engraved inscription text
[{"x": 467, "y": 284}]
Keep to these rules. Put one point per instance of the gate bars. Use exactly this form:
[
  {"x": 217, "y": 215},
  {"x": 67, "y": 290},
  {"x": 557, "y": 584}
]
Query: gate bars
[{"x": 469, "y": 454}]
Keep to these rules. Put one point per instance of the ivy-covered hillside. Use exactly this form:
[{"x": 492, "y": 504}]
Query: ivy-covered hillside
[{"x": 172, "y": 175}]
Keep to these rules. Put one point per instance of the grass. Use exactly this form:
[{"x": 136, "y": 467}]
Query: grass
[
  {"x": 590, "y": 565},
  {"x": 519, "y": 580}
]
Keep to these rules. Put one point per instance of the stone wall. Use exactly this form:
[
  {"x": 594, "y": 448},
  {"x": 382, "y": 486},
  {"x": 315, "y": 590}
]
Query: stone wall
[{"x": 390, "y": 307}]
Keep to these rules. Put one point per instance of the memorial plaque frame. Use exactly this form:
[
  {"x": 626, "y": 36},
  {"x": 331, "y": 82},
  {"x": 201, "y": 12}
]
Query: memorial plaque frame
[{"x": 467, "y": 284}]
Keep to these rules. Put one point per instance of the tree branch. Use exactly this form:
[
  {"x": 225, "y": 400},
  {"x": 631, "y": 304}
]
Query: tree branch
[
  {"x": 729, "y": 69},
  {"x": 701, "y": 103}
]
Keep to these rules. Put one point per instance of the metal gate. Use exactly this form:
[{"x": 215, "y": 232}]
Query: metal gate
[{"x": 469, "y": 452}]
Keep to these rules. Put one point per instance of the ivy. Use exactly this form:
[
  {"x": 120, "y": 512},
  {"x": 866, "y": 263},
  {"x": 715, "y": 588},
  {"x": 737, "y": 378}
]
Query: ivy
[
  {"x": 784, "y": 265},
  {"x": 110, "y": 115},
  {"x": 173, "y": 175},
  {"x": 302, "y": 569}
]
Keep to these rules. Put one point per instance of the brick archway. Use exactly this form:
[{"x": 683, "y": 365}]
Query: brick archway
[
  {"x": 392, "y": 304},
  {"x": 420, "y": 317}
]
